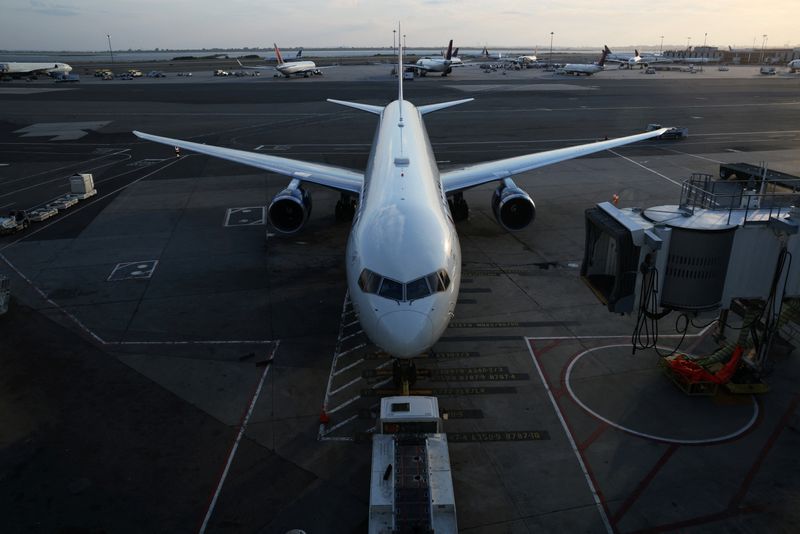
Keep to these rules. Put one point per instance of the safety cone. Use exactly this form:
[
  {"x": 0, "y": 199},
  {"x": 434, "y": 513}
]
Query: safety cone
[
  {"x": 324, "y": 418},
  {"x": 615, "y": 199}
]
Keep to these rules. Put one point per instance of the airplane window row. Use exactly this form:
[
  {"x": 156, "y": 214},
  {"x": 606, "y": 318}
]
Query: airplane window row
[{"x": 371, "y": 282}]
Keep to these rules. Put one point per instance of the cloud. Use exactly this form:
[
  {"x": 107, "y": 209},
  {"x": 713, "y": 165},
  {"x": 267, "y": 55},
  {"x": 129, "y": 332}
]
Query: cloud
[{"x": 45, "y": 7}]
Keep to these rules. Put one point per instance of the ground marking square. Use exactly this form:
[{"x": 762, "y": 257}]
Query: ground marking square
[
  {"x": 249, "y": 216},
  {"x": 133, "y": 270}
]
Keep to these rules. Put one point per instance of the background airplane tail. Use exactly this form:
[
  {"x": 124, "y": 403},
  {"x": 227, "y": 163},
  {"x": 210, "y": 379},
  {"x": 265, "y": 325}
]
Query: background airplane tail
[
  {"x": 278, "y": 54},
  {"x": 603, "y": 57},
  {"x": 455, "y": 52},
  {"x": 299, "y": 54},
  {"x": 449, "y": 50}
]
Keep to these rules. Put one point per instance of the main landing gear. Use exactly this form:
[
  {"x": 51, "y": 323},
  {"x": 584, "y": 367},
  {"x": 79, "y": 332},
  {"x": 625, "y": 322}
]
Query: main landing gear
[
  {"x": 459, "y": 208},
  {"x": 345, "y": 208}
]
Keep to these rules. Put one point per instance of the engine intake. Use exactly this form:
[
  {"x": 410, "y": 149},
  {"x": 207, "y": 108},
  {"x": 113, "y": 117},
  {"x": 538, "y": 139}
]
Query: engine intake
[
  {"x": 290, "y": 209},
  {"x": 513, "y": 208}
]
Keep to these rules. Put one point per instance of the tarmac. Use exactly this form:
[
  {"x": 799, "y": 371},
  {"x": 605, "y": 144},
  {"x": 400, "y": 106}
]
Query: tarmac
[{"x": 167, "y": 357}]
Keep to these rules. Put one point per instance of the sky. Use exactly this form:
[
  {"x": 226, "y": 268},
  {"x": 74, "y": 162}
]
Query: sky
[{"x": 194, "y": 24}]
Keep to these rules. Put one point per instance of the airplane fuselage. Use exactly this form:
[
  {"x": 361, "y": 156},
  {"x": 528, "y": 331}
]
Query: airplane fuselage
[
  {"x": 296, "y": 67},
  {"x": 34, "y": 68},
  {"x": 403, "y": 233}
]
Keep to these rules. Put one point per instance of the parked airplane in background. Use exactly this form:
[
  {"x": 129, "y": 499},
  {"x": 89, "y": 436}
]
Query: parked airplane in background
[
  {"x": 403, "y": 257},
  {"x": 794, "y": 65},
  {"x": 436, "y": 64},
  {"x": 585, "y": 68},
  {"x": 31, "y": 69},
  {"x": 289, "y": 68},
  {"x": 630, "y": 61},
  {"x": 524, "y": 60}
]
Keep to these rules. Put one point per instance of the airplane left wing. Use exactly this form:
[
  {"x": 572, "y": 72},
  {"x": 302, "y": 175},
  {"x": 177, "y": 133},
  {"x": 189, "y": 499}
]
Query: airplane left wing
[
  {"x": 316, "y": 173},
  {"x": 481, "y": 173},
  {"x": 254, "y": 68}
]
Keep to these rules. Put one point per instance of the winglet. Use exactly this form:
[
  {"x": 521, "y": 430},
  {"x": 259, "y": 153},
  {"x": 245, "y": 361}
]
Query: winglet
[{"x": 278, "y": 54}]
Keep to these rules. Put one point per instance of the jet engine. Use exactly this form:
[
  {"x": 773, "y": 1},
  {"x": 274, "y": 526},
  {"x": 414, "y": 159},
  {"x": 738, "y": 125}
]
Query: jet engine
[
  {"x": 513, "y": 208},
  {"x": 289, "y": 209}
]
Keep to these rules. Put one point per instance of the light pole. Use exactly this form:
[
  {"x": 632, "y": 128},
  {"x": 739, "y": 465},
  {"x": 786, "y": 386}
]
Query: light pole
[
  {"x": 404, "y": 41},
  {"x": 110, "y": 50},
  {"x": 551, "y": 50},
  {"x": 661, "y": 47},
  {"x": 688, "y": 45},
  {"x": 394, "y": 34},
  {"x": 763, "y": 44}
]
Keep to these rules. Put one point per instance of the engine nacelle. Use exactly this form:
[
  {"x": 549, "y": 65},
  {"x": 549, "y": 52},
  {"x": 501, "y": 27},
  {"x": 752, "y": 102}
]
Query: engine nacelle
[
  {"x": 513, "y": 208},
  {"x": 290, "y": 209}
]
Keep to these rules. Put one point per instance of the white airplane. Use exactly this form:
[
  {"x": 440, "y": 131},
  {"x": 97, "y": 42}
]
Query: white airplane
[
  {"x": 443, "y": 64},
  {"x": 289, "y": 68},
  {"x": 630, "y": 61},
  {"x": 585, "y": 68},
  {"x": 30, "y": 69},
  {"x": 403, "y": 258},
  {"x": 794, "y": 65}
]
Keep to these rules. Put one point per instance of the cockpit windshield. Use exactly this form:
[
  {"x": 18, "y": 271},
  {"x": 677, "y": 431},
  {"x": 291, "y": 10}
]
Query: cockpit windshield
[{"x": 371, "y": 282}]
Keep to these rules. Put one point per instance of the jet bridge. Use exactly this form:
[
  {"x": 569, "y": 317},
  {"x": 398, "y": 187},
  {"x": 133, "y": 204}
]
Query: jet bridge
[{"x": 725, "y": 243}]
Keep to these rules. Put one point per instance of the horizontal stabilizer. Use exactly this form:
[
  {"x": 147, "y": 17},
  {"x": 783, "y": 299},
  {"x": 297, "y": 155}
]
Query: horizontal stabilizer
[
  {"x": 377, "y": 110},
  {"x": 430, "y": 108}
]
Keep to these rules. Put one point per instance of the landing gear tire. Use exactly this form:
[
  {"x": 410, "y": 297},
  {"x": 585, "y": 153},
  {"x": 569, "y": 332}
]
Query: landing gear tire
[
  {"x": 404, "y": 374},
  {"x": 345, "y": 209},
  {"x": 459, "y": 208}
]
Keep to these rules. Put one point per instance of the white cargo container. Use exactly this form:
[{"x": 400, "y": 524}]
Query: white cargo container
[{"x": 82, "y": 185}]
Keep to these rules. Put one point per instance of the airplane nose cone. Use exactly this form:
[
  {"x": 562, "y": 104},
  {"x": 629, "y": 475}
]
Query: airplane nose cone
[{"x": 405, "y": 334}]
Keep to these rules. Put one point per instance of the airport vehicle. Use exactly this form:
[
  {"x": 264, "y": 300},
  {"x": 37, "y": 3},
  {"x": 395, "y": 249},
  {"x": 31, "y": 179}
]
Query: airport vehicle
[
  {"x": 769, "y": 71},
  {"x": 290, "y": 68},
  {"x": 135, "y": 73},
  {"x": 675, "y": 132},
  {"x": 794, "y": 65},
  {"x": 411, "y": 487},
  {"x": 5, "y": 294},
  {"x": 403, "y": 255},
  {"x": 187, "y": 74},
  {"x": 99, "y": 73},
  {"x": 108, "y": 75},
  {"x": 649, "y": 70},
  {"x": 156, "y": 74},
  {"x": 82, "y": 186},
  {"x": 723, "y": 68},
  {"x": 67, "y": 78},
  {"x": 220, "y": 72},
  {"x": 16, "y": 70},
  {"x": 442, "y": 64},
  {"x": 16, "y": 221},
  {"x": 41, "y": 214},
  {"x": 585, "y": 68}
]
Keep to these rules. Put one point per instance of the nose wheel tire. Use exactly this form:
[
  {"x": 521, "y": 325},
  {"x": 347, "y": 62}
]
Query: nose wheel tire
[{"x": 404, "y": 374}]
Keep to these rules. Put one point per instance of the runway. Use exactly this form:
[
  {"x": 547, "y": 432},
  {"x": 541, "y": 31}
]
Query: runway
[{"x": 167, "y": 355}]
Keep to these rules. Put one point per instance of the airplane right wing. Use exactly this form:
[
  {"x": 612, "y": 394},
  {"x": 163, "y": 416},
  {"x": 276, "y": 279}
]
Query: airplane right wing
[
  {"x": 481, "y": 173},
  {"x": 254, "y": 68},
  {"x": 316, "y": 173}
]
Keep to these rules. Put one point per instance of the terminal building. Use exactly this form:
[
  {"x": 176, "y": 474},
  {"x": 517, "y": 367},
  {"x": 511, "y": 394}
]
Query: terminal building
[{"x": 737, "y": 56}]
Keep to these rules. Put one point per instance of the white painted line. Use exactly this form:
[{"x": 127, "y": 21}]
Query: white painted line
[
  {"x": 629, "y": 430},
  {"x": 326, "y": 400},
  {"x": 698, "y": 334},
  {"x": 339, "y": 425},
  {"x": 143, "y": 270},
  {"x": 70, "y": 166},
  {"x": 348, "y": 351},
  {"x": 246, "y": 216},
  {"x": 732, "y": 150},
  {"x": 353, "y": 399},
  {"x": 692, "y": 155},
  {"x": 351, "y": 323},
  {"x": 7, "y": 205},
  {"x": 354, "y": 334},
  {"x": 259, "y": 147},
  {"x": 589, "y": 482},
  {"x": 645, "y": 168},
  {"x": 235, "y": 447},
  {"x": 335, "y": 438},
  {"x": 4, "y": 165},
  {"x": 347, "y": 385},
  {"x": 343, "y": 369}
]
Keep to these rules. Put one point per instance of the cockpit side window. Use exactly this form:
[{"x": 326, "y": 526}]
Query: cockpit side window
[
  {"x": 439, "y": 281},
  {"x": 417, "y": 289},
  {"x": 391, "y": 289},
  {"x": 369, "y": 282}
]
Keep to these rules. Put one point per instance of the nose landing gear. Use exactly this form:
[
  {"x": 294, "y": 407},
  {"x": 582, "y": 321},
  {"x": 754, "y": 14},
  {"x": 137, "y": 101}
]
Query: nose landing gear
[{"x": 404, "y": 375}]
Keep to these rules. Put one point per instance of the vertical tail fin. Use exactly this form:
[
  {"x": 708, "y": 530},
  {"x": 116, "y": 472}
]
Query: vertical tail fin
[
  {"x": 278, "y": 54},
  {"x": 635, "y": 52},
  {"x": 603, "y": 57},
  {"x": 449, "y": 50},
  {"x": 400, "y": 70},
  {"x": 299, "y": 54},
  {"x": 455, "y": 52}
]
